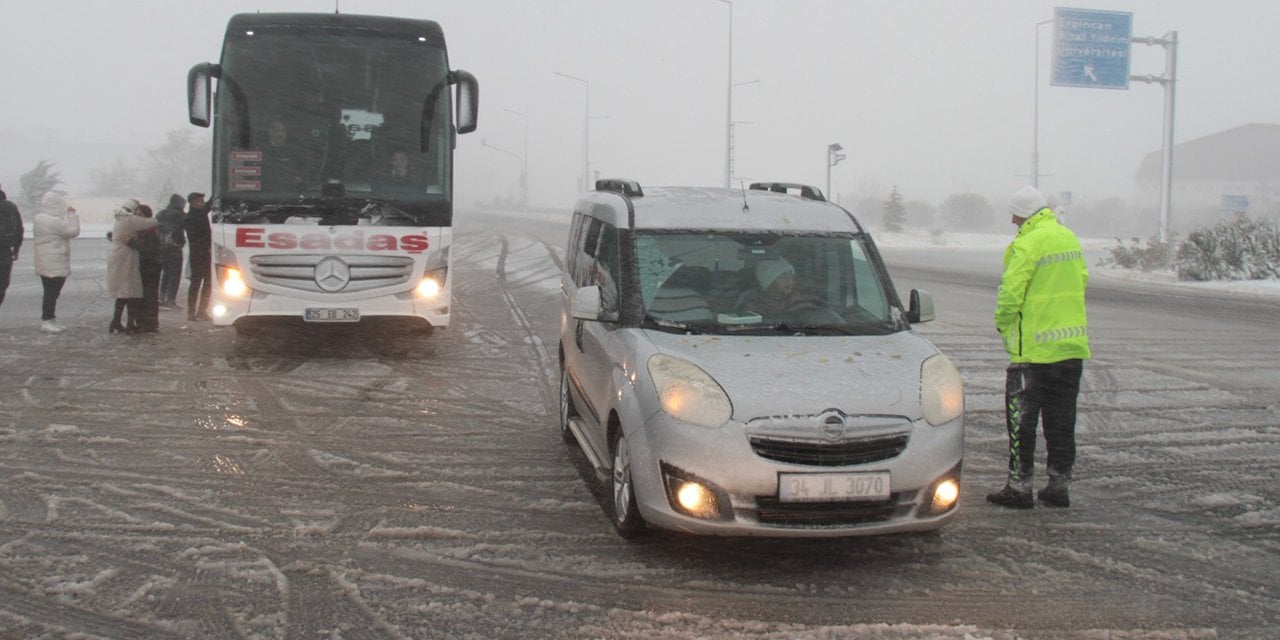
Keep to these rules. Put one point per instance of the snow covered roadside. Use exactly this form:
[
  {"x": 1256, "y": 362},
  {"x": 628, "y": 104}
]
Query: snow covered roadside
[{"x": 1095, "y": 249}]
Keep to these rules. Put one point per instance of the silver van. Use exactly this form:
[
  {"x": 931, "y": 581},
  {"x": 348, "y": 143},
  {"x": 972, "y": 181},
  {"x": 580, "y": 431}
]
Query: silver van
[{"x": 737, "y": 362}]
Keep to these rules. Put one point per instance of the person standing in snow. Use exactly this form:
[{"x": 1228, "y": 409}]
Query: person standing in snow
[
  {"x": 11, "y": 231},
  {"x": 52, "y": 230},
  {"x": 199, "y": 256},
  {"x": 124, "y": 277},
  {"x": 1040, "y": 314},
  {"x": 172, "y": 240},
  {"x": 147, "y": 243}
]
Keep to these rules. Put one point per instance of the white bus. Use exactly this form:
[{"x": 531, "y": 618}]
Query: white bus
[{"x": 332, "y": 192}]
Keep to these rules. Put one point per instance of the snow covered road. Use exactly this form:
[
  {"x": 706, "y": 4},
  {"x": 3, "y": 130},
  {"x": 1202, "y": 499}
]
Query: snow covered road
[{"x": 196, "y": 484}]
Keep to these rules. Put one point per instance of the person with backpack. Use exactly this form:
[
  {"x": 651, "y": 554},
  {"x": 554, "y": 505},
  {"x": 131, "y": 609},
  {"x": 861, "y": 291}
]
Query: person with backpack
[{"x": 172, "y": 240}]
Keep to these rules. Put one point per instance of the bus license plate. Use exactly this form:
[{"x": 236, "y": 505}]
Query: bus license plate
[
  {"x": 327, "y": 314},
  {"x": 833, "y": 487}
]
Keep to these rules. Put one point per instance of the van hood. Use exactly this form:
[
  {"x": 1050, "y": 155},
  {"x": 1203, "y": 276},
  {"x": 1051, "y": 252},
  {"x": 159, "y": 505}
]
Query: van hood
[{"x": 768, "y": 376}]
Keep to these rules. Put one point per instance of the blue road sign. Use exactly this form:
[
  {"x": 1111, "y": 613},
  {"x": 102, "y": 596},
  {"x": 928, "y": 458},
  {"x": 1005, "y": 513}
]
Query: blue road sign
[
  {"x": 1091, "y": 48},
  {"x": 1235, "y": 202}
]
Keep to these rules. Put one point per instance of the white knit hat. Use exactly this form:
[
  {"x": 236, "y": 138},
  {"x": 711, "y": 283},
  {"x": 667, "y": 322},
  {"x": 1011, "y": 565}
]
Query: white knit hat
[
  {"x": 770, "y": 270},
  {"x": 1026, "y": 202}
]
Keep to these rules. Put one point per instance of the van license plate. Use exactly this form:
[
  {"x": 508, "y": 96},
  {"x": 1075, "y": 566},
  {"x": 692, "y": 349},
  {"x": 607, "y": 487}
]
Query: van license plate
[
  {"x": 327, "y": 314},
  {"x": 833, "y": 487}
]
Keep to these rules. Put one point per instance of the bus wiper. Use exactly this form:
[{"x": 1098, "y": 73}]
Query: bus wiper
[{"x": 379, "y": 211}]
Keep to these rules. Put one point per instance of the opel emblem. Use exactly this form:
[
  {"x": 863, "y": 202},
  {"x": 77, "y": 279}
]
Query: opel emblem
[
  {"x": 833, "y": 427},
  {"x": 332, "y": 274}
]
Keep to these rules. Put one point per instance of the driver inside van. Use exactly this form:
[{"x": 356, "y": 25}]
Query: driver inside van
[{"x": 778, "y": 297}]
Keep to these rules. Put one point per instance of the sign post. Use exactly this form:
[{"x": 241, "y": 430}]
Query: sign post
[{"x": 1091, "y": 49}]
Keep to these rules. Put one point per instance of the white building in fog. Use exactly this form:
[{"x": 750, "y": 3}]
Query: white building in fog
[{"x": 1217, "y": 176}]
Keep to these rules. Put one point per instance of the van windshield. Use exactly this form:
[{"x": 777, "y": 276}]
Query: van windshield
[{"x": 762, "y": 282}]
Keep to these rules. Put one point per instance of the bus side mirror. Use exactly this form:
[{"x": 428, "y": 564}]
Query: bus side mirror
[
  {"x": 920, "y": 309},
  {"x": 468, "y": 100},
  {"x": 200, "y": 91}
]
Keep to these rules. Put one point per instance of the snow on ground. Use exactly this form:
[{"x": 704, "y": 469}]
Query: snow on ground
[{"x": 1095, "y": 248}]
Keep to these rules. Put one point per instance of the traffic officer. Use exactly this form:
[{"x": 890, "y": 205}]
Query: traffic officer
[{"x": 1040, "y": 314}]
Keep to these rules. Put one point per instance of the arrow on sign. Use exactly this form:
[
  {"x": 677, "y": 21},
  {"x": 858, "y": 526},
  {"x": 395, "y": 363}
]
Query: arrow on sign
[{"x": 1088, "y": 73}]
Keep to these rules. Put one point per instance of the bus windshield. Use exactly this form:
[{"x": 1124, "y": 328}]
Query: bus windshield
[{"x": 314, "y": 121}]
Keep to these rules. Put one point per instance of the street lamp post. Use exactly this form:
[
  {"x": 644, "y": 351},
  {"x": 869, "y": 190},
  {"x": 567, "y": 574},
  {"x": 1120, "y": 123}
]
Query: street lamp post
[
  {"x": 728, "y": 117},
  {"x": 524, "y": 162},
  {"x": 520, "y": 158},
  {"x": 834, "y": 156},
  {"x": 1035, "y": 122},
  {"x": 586, "y": 131},
  {"x": 733, "y": 143}
]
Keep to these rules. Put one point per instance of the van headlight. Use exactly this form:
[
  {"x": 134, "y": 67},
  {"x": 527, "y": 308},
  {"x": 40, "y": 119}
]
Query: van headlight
[
  {"x": 688, "y": 393},
  {"x": 941, "y": 390}
]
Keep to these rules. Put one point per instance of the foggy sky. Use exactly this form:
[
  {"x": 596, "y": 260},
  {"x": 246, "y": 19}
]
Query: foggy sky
[{"x": 933, "y": 96}]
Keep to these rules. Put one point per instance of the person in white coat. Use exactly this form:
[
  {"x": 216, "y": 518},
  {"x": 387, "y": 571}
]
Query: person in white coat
[
  {"x": 124, "y": 276},
  {"x": 52, "y": 230}
]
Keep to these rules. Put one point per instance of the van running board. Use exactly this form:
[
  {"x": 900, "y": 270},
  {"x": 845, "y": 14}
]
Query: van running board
[{"x": 575, "y": 427}]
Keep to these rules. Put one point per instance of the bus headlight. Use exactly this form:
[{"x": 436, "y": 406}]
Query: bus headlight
[
  {"x": 432, "y": 284},
  {"x": 232, "y": 284},
  {"x": 941, "y": 390}
]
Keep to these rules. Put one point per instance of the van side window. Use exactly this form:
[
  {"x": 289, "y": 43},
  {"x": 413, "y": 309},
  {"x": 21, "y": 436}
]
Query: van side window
[
  {"x": 584, "y": 270},
  {"x": 607, "y": 270},
  {"x": 574, "y": 248}
]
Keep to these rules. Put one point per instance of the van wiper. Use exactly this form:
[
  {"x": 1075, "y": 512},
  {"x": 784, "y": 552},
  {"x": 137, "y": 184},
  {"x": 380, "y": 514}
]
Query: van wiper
[
  {"x": 674, "y": 326},
  {"x": 791, "y": 329}
]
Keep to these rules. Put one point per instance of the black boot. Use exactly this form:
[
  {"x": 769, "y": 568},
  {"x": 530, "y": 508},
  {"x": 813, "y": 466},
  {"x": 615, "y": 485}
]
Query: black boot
[
  {"x": 1012, "y": 497},
  {"x": 1057, "y": 493}
]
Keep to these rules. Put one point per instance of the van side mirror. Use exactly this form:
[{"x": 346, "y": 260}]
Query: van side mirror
[
  {"x": 586, "y": 303},
  {"x": 920, "y": 309}
]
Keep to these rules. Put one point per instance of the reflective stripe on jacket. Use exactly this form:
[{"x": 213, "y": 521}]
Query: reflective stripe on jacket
[{"x": 1040, "y": 309}]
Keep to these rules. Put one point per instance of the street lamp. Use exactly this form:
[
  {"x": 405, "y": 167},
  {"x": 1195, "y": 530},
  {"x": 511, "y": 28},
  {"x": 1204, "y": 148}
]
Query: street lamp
[
  {"x": 1035, "y": 137},
  {"x": 834, "y": 156},
  {"x": 586, "y": 131},
  {"x": 485, "y": 143},
  {"x": 524, "y": 161},
  {"x": 728, "y": 118},
  {"x": 733, "y": 143}
]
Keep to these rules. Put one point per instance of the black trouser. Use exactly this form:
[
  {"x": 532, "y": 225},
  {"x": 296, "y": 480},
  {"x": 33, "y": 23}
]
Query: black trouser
[
  {"x": 149, "y": 307},
  {"x": 1035, "y": 392},
  {"x": 198, "y": 291},
  {"x": 52, "y": 289},
  {"x": 170, "y": 277},
  {"x": 6, "y": 268}
]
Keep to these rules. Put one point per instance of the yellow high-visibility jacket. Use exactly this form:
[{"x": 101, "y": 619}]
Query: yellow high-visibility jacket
[{"x": 1040, "y": 309}]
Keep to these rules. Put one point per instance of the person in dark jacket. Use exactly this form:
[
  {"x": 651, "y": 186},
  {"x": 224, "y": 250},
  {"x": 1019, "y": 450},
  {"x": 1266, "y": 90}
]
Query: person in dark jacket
[
  {"x": 148, "y": 245},
  {"x": 199, "y": 256},
  {"x": 10, "y": 240},
  {"x": 172, "y": 239}
]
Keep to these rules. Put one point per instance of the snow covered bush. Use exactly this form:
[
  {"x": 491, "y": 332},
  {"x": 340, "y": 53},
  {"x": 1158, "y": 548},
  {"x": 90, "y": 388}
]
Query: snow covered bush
[
  {"x": 1242, "y": 249},
  {"x": 1154, "y": 256}
]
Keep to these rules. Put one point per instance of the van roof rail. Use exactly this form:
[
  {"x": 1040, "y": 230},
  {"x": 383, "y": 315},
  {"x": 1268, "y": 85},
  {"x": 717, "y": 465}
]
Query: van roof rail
[
  {"x": 808, "y": 192},
  {"x": 629, "y": 188}
]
